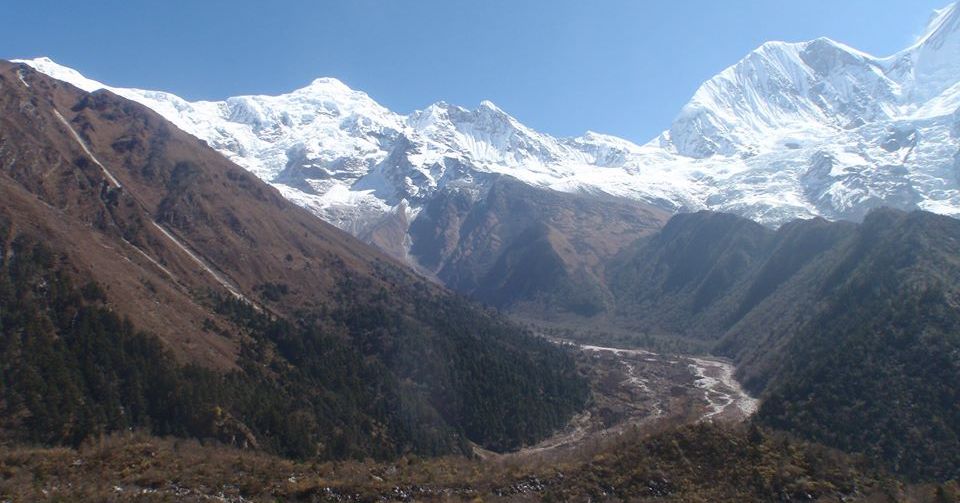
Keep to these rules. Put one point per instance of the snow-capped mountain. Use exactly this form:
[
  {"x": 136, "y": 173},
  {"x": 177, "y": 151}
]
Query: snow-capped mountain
[
  {"x": 792, "y": 130},
  {"x": 819, "y": 128},
  {"x": 352, "y": 161}
]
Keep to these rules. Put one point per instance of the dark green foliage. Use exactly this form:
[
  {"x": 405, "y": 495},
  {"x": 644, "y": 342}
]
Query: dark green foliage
[
  {"x": 273, "y": 292},
  {"x": 319, "y": 395},
  {"x": 878, "y": 369},
  {"x": 850, "y": 332},
  {"x": 71, "y": 368},
  {"x": 444, "y": 371},
  {"x": 388, "y": 382},
  {"x": 364, "y": 379},
  {"x": 531, "y": 270},
  {"x": 681, "y": 280}
]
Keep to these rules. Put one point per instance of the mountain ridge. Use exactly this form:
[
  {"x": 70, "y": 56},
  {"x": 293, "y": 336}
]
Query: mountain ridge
[
  {"x": 792, "y": 130},
  {"x": 847, "y": 332},
  {"x": 779, "y": 106},
  {"x": 148, "y": 282}
]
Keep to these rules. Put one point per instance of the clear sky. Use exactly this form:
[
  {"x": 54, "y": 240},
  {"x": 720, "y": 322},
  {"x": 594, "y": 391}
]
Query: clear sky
[{"x": 622, "y": 67}]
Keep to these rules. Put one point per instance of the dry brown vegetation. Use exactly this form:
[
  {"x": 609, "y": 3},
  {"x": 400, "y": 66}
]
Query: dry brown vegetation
[
  {"x": 323, "y": 357},
  {"x": 689, "y": 463}
]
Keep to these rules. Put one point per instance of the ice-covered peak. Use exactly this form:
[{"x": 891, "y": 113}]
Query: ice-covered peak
[
  {"x": 605, "y": 141},
  {"x": 754, "y": 94},
  {"x": 429, "y": 117},
  {"x": 932, "y": 65},
  {"x": 826, "y": 56},
  {"x": 325, "y": 95},
  {"x": 493, "y": 115},
  {"x": 49, "y": 67},
  {"x": 439, "y": 106},
  {"x": 781, "y": 85},
  {"x": 490, "y": 106},
  {"x": 331, "y": 89},
  {"x": 328, "y": 83},
  {"x": 944, "y": 24},
  {"x": 326, "y": 115},
  {"x": 604, "y": 150},
  {"x": 487, "y": 117}
]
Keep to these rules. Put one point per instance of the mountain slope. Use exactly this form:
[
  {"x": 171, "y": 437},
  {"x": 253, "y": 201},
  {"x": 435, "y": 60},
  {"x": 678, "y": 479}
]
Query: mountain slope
[
  {"x": 680, "y": 280},
  {"x": 341, "y": 154},
  {"x": 296, "y": 334},
  {"x": 874, "y": 368},
  {"x": 793, "y": 130},
  {"x": 375, "y": 173},
  {"x": 528, "y": 249},
  {"x": 849, "y": 331}
]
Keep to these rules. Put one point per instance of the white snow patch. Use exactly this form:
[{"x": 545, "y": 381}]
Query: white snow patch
[
  {"x": 20, "y": 76},
  {"x": 113, "y": 181}
]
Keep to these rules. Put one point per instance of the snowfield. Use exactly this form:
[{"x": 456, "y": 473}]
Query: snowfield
[{"x": 792, "y": 130}]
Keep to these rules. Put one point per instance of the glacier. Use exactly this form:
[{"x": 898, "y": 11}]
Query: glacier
[{"x": 793, "y": 130}]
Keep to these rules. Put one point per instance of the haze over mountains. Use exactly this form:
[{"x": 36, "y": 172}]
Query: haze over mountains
[
  {"x": 793, "y": 130},
  {"x": 156, "y": 273}
]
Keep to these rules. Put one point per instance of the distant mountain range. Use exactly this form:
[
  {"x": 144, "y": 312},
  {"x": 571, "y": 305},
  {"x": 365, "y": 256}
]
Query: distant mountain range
[
  {"x": 794, "y": 130},
  {"x": 146, "y": 281}
]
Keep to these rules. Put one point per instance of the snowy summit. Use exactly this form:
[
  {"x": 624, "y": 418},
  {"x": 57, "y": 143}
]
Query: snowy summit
[{"x": 792, "y": 130}]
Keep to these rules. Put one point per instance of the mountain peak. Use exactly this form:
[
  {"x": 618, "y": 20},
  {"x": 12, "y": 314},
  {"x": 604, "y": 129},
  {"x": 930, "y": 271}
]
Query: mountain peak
[
  {"x": 943, "y": 23},
  {"x": 827, "y": 42},
  {"x": 490, "y": 111},
  {"x": 431, "y": 115},
  {"x": 44, "y": 60},
  {"x": 330, "y": 88},
  {"x": 47, "y": 66},
  {"x": 930, "y": 66},
  {"x": 328, "y": 83},
  {"x": 489, "y": 105},
  {"x": 606, "y": 140}
]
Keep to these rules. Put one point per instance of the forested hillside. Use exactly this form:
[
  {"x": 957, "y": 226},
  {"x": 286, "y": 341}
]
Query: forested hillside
[
  {"x": 876, "y": 369},
  {"x": 148, "y": 282},
  {"x": 850, "y": 332},
  {"x": 345, "y": 384}
]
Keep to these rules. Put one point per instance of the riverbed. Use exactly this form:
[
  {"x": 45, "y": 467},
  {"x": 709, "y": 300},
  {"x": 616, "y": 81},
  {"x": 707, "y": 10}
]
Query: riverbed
[{"x": 635, "y": 388}]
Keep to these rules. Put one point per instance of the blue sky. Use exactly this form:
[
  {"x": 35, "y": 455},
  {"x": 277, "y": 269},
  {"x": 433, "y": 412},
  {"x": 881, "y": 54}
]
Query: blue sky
[{"x": 623, "y": 67}]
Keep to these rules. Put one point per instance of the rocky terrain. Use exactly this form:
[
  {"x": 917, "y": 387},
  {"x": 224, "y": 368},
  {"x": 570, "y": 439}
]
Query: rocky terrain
[{"x": 793, "y": 130}]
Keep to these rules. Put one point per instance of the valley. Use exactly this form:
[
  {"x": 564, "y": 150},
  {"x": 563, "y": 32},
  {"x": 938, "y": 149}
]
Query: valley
[
  {"x": 651, "y": 417},
  {"x": 311, "y": 297},
  {"x": 725, "y": 396},
  {"x": 636, "y": 390}
]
